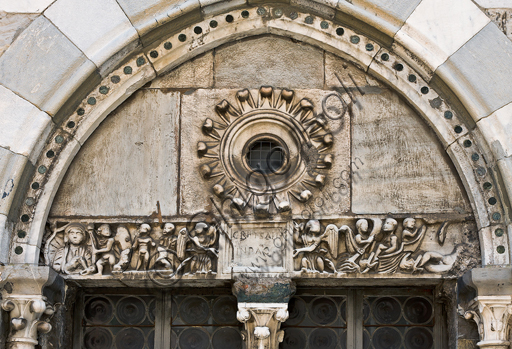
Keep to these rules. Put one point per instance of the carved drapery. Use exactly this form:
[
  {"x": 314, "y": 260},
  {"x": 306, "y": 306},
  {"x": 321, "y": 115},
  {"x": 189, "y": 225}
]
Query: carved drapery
[
  {"x": 372, "y": 246},
  {"x": 100, "y": 249}
]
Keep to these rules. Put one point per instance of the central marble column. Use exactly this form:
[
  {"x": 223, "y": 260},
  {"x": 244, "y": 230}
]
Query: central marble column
[{"x": 262, "y": 307}]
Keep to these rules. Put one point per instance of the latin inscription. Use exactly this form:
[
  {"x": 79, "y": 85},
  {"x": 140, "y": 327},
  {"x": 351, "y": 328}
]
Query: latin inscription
[{"x": 259, "y": 249}]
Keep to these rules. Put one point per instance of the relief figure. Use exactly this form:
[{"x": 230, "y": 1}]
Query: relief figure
[
  {"x": 143, "y": 243},
  {"x": 102, "y": 247},
  {"x": 358, "y": 244},
  {"x": 123, "y": 245},
  {"x": 196, "y": 248},
  {"x": 318, "y": 250},
  {"x": 75, "y": 256},
  {"x": 166, "y": 247},
  {"x": 386, "y": 249}
]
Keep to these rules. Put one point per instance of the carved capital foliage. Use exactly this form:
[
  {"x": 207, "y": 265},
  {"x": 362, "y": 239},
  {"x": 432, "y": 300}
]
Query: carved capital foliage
[
  {"x": 26, "y": 319},
  {"x": 262, "y": 323},
  {"x": 28, "y": 293},
  {"x": 491, "y": 314}
]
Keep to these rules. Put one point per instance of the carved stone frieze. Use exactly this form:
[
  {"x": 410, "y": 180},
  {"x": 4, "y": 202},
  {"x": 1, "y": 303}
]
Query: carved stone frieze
[
  {"x": 96, "y": 250},
  {"x": 267, "y": 153},
  {"x": 372, "y": 246}
]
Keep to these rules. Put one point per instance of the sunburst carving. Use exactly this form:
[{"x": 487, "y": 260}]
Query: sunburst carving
[{"x": 279, "y": 117}]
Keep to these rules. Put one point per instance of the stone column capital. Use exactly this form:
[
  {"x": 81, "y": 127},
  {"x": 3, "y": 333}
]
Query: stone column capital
[
  {"x": 491, "y": 314},
  {"x": 262, "y": 323},
  {"x": 28, "y": 293}
]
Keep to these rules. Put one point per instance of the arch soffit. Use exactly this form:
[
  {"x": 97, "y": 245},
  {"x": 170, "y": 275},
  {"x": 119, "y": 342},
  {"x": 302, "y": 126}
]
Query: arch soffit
[{"x": 157, "y": 59}]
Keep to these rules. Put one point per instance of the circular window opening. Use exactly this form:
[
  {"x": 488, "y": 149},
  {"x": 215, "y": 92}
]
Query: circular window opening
[{"x": 265, "y": 156}]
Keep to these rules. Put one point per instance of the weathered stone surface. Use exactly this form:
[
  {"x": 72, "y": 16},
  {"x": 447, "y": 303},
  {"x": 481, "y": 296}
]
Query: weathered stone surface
[
  {"x": 493, "y": 3},
  {"x": 399, "y": 10},
  {"x": 23, "y": 127},
  {"x": 257, "y": 248},
  {"x": 263, "y": 290},
  {"x": 11, "y": 25},
  {"x": 350, "y": 75},
  {"x": 502, "y": 18},
  {"x": 43, "y": 66},
  {"x": 131, "y": 161},
  {"x": 397, "y": 164},
  {"x": 11, "y": 171},
  {"x": 425, "y": 31},
  {"x": 497, "y": 129},
  {"x": 315, "y": 7},
  {"x": 25, "y": 6},
  {"x": 5, "y": 238},
  {"x": 197, "y": 73},
  {"x": 377, "y": 18},
  {"x": 480, "y": 72},
  {"x": 101, "y": 29},
  {"x": 214, "y": 7},
  {"x": 280, "y": 62},
  {"x": 149, "y": 14}
]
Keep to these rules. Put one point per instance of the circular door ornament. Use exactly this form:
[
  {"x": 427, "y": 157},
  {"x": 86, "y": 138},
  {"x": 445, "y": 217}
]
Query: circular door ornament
[{"x": 267, "y": 152}]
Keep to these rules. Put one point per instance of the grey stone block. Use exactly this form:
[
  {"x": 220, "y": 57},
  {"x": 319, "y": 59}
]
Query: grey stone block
[
  {"x": 398, "y": 9},
  {"x": 283, "y": 62},
  {"x": 11, "y": 25},
  {"x": 147, "y": 15},
  {"x": 43, "y": 66},
  {"x": 5, "y": 238},
  {"x": 145, "y": 131},
  {"x": 12, "y": 167},
  {"x": 379, "y": 19},
  {"x": 398, "y": 164},
  {"x": 480, "y": 72},
  {"x": 196, "y": 73},
  {"x": 101, "y": 30}
]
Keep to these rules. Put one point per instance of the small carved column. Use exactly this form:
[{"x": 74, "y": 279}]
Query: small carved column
[
  {"x": 491, "y": 314},
  {"x": 26, "y": 290},
  {"x": 262, "y": 322},
  {"x": 262, "y": 307}
]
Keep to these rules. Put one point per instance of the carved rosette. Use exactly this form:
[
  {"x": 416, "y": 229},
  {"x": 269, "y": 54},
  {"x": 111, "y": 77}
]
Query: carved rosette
[
  {"x": 298, "y": 158},
  {"x": 262, "y": 323}
]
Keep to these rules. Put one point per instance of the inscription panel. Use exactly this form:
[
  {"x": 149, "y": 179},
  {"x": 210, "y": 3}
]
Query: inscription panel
[{"x": 258, "y": 248}]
